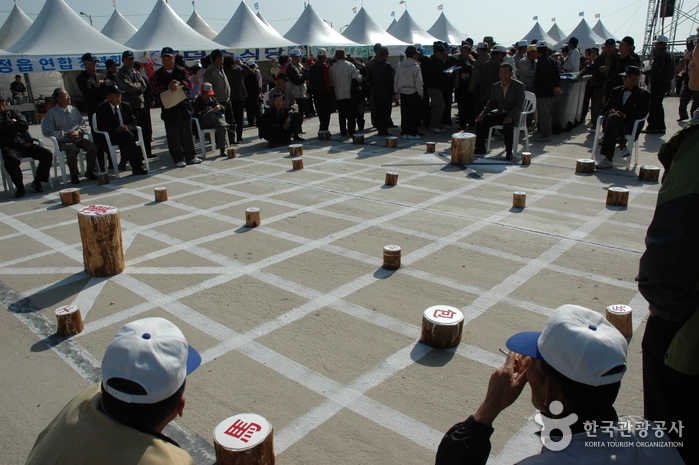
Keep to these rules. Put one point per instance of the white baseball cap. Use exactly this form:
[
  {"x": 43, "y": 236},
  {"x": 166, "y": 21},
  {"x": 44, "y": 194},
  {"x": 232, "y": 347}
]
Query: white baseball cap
[
  {"x": 662, "y": 39},
  {"x": 578, "y": 343},
  {"x": 153, "y": 353},
  {"x": 482, "y": 45},
  {"x": 498, "y": 48},
  {"x": 542, "y": 44},
  {"x": 295, "y": 53},
  {"x": 522, "y": 43}
]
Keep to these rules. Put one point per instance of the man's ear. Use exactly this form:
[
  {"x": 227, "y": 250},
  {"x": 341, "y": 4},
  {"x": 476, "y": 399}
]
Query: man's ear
[{"x": 179, "y": 409}]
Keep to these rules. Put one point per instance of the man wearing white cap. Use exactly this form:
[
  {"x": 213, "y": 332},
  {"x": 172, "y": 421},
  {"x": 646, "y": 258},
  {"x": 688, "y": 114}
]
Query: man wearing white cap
[
  {"x": 120, "y": 421},
  {"x": 297, "y": 75},
  {"x": 521, "y": 52},
  {"x": 574, "y": 368},
  {"x": 660, "y": 74}
]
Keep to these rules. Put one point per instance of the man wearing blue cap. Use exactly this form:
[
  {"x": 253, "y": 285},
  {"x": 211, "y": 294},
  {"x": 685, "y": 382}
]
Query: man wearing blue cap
[
  {"x": 92, "y": 84},
  {"x": 574, "y": 368},
  {"x": 135, "y": 86},
  {"x": 120, "y": 421}
]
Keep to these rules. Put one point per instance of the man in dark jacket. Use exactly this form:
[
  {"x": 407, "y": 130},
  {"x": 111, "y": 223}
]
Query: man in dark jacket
[
  {"x": 619, "y": 65},
  {"x": 117, "y": 118},
  {"x": 546, "y": 85},
  {"x": 434, "y": 76},
  {"x": 319, "y": 83},
  {"x": 235, "y": 70},
  {"x": 381, "y": 82},
  {"x": 278, "y": 124},
  {"x": 660, "y": 74},
  {"x": 624, "y": 106},
  {"x": 177, "y": 118},
  {"x": 16, "y": 143},
  {"x": 599, "y": 69},
  {"x": 92, "y": 84},
  {"x": 135, "y": 86}
]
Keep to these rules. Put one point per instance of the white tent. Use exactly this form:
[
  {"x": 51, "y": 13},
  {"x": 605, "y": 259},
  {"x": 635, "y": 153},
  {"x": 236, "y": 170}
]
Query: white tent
[
  {"x": 538, "y": 33},
  {"x": 58, "y": 30},
  {"x": 118, "y": 28},
  {"x": 310, "y": 29},
  {"x": 586, "y": 37},
  {"x": 407, "y": 30},
  {"x": 444, "y": 30},
  {"x": 245, "y": 30},
  {"x": 556, "y": 34},
  {"x": 364, "y": 30},
  {"x": 15, "y": 26},
  {"x": 602, "y": 31},
  {"x": 259, "y": 16},
  {"x": 390, "y": 26},
  {"x": 197, "y": 23},
  {"x": 163, "y": 28}
]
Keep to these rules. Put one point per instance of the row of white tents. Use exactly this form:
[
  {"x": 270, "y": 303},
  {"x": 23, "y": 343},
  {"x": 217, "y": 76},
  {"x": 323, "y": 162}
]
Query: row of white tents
[{"x": 59, "y": 31}]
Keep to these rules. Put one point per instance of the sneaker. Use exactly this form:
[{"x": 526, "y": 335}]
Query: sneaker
[
  {"x": 625, "y": 152},
  {"x": 180, "y": 164},
  {"x": 604, "y": 164},
  {"x": 415, "y": 137},
  {"x": 194, "y": 161},
  {"x": 436, "y": 130},
  {"x": 405, "y": 137}
]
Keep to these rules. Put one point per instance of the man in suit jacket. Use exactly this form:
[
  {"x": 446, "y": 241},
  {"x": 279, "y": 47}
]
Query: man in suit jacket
[
  {"x": 626, "y": 104},
  {"x": 503, "y": 108},
  {"x": 135, "y": 87},
  {"x": 117, "y": 118}
]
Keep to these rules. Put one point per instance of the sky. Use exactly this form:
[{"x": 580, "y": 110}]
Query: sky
[{"x": 507, "y": 20}]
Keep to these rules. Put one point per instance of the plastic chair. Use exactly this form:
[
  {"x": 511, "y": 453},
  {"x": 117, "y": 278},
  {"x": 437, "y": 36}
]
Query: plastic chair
[
  {"x": 630, "y": 139},
  {"x": 60, "y": 157},
  {"x": 113, "y": 148},
  {"x": 202, "y": 137},
  {"x": 7, "y": 182},
  {"x": 528, "y": 108}
]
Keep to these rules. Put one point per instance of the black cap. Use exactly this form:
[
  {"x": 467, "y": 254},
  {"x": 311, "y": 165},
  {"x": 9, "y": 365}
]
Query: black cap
[
  {"x": 439, "y": 48},
  {"x": 127, "y": 54},
  {"x": 112, "y": 89},
  {"x": 627, "y": 40},
  {"x": 89, "y": 58},
  {"x": 609, "y": 42},
  {"x": 216, "y": 53},
  {"x": 631, "y": 71},
  {"x": 167, "y": 52}
]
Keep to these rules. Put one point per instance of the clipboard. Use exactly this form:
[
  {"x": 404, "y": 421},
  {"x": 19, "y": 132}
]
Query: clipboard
[{"x": 170, "y": 99}]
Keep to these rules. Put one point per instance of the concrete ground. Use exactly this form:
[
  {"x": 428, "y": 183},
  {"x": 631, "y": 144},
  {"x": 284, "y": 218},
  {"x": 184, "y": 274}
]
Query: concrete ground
[{"x": 295, "y": 319}]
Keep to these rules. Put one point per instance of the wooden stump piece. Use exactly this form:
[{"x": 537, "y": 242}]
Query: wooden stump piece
[
  {"x": 621, "y": 316},
  {"x": 244, "y": 439},
  {"x": 585, "y": 165},
  {"x": 160, "y": 194},
  {"x": 519, "y": 199},
  {"x": 70, "y": 196},
  {"x": 296, "y": 150},
  {"x": 297, "y": 163},
  {"x": 392, "y": 142},
  {"x": 526, "y": 158},
  {"x": 391, "y": 257},
  {"x": 252, "y": 217},
  {"x": 70, "y": 321},
  {"x": 431, "y": 147},
  {"x": 649, "y": 173},
  {"x": 324, "y": 135},
  {"x": 357, "y": 138},
  {"x": 100, "y": 231},
  {"x": 442, "y": 327},
  {"x": 391, "y": 178},
  {"x": 463, "y": 144},
  {"x": 231, "y": 152},
  {"x": 103, "y": 178},
  {"x": 618, "y": 196}
]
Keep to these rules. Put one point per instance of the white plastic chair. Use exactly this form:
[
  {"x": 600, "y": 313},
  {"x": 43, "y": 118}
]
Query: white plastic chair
[
  {"x": 113, "y": 148},
  {"x": 528, "y": 108},
  {"x": 7, "y": 182},
  {"x": 630, "y": 139},
  {"x": 60, "y": 157},
  {"x": 202, "y": 137}
]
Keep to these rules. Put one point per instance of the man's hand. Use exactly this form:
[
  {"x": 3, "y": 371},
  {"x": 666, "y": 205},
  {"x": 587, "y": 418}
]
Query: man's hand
[
  {"x": 122, "y": 128},
  {"x": 173, "y": 85},
  {"x": 73, "y": 134},
  {"x": 504, "y": 387},
  {"x": 286, "y": 124},
  {"x": 507, "y": 120},
  {"x": 480, "y": 117},
  {"x": 557, "y": 91}
]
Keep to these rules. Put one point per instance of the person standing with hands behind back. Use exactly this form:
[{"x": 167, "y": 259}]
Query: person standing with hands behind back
[{"x": 178, "y": 121}]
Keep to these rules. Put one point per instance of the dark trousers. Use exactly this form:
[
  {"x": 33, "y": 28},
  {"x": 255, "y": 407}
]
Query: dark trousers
[
  {"x": 323, "y": 102},
  {"x": 252, "y": 107},
  {"x": 126, "y": 140},
  {"x": 143, "y": 117},
  {"x": 180, "y": 142},
  {"x": 278, "y": 135},
  {"x": 686, "y": 95},
  {"x": 73, "y": 147},
  {"x": 614, "y": 133},
  {"x": 486, "y": 123},
  {"x": 464, "y": 104},
  {"x": 656, "y": 117},
  {"x": 234, "y": 115},
  {"x": 589, "y": 92},
  {"x": 410, "y": 113},
  {"x": 348, "y": 116},
  {"x": 13, "y": 154},
  {"x": 381, "y": 110},
  {"x": 669, "y": 395}
]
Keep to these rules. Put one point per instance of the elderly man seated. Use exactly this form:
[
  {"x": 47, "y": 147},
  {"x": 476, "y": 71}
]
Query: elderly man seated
[
  {"x": 66, "y": 124},
  {"x": 211, "y": 115},
  {"x": 626, "y": 104},
  {"x": 279, "y": 123},
  {"x": 503, "y": 108}
]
